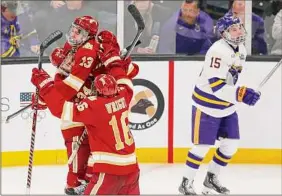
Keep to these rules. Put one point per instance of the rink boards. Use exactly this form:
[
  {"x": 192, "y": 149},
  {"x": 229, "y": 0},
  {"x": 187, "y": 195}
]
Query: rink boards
[{"x": 162, "y": 133}]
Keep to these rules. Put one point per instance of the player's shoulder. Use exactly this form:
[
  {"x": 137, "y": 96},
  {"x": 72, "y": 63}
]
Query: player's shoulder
[
  {"x": 90, "y": 48},
  {"x": 218, "y": 48},
  {"x": 242, "y": 49}
]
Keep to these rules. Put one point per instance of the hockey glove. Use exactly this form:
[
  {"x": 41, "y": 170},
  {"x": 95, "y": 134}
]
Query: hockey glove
[
  {"x": 108, "y": 54},
  {"x": 57, "y": 57},
  {"x": 41, "y": 105},
  {"x": 247, "y": 95},
  {"x": 15, "y": 41},
  {"x": 41, "y": 80}
]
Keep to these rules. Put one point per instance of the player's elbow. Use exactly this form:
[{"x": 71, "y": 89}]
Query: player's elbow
[{"x": 216, "y": 84}]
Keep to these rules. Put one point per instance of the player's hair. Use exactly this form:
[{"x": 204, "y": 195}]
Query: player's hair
[
  {"x": 192, "y": 1},
  {"x": 230, "y": 4}
]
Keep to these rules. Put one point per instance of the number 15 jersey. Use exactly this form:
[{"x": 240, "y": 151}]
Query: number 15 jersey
[{"x": 215, "y": 89}]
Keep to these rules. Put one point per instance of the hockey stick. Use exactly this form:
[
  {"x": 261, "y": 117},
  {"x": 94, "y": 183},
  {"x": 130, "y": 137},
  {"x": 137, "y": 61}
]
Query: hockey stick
[
  {"x": 45, "y": 44},
  {"x": 17, "y": 113},
  {"x": 140, "y": 24},
  {"x": 124, "y": 51},
  {"x": 76, "y": 148},
  {"x": 269, "y": 75},
  {"x": 27, "y": 35}
]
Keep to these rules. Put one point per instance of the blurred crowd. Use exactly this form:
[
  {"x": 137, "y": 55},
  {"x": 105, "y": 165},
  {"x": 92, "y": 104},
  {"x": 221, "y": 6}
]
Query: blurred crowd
[{"x": 172, "y": 27}]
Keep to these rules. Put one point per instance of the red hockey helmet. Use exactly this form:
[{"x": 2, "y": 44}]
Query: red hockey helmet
[
  {"x": 57, "y": 56},
  {"x": 106, "y": 85},
  {"x": 82, "y": 29}
]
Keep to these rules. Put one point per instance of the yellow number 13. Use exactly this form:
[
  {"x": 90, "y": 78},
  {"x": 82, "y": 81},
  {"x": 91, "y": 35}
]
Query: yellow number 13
[{"x": 128, "y": 139}]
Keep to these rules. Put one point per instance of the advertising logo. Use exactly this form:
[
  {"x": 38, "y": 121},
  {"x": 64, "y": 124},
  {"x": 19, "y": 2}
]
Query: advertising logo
[
  {"x": 147, "y": 105},
  {"x": 5, "y": 107}
]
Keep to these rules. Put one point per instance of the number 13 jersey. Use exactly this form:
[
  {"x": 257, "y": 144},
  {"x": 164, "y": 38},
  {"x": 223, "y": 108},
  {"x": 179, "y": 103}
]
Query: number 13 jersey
[{"x": 215, "y": 89}]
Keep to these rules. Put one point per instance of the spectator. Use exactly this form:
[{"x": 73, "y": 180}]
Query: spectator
[
  {"x": 186, "y": 31},
  {"x": 277, "y": 34},
  {"x": 259, "y": 45},
  {"x": 154, "y": 16},
  {"x": 18, "y": 36}
]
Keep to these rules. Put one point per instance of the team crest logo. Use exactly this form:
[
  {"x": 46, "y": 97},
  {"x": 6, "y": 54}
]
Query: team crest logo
[{"x": 147, "y": 105}]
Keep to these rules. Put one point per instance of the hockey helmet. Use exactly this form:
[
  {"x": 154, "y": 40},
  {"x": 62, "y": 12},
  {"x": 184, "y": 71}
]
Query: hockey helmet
[
  {"x": 231, "y": 29},
  {"x": 106, "y": 85},
  {"x": 81, "y": 30}
]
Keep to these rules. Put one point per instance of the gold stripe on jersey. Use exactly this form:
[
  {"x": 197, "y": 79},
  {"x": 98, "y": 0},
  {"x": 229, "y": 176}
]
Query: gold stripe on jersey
[
  {"x": 67, "y": 113},
  {"x": 210, "y": 100},
  {"x": 112, "y": 59},
  {"x": 216, "y": 83},
  {"x": 75, "y": 160},
  {"x": 114, "y": 159},
  {"x": 65, "y": 125},
  {"x": 197, "y": 126},
  {"x": 130, "y": 68},
  {"x": 74, "y": 82},
  {"x": 98, "y": 184}
]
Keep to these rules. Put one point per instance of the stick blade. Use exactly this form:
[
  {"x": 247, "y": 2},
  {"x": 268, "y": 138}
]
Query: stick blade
[
  {"x": 50, "y": 39},
  {"x": 137, "y": 16}
]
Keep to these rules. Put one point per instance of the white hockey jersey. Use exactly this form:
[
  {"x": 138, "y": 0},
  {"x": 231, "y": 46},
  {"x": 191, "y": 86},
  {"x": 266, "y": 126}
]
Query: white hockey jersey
[{"x": 215, "y": 90}]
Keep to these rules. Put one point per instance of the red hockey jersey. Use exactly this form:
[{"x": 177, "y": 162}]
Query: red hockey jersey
[{"x": 106, "y": 121}]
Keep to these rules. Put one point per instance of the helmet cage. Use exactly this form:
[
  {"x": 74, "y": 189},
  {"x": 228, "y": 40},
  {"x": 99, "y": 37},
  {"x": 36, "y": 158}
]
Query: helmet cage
[
  {"x": 235, "y": 40},
  {"x": 81, "y": 35}
]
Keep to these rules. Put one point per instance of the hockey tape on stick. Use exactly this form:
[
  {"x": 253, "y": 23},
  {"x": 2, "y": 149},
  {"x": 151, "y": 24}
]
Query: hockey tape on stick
[
  {"x": 50, "y": 40},
  {"x": 74, "y": 152},
  {"x": 124, "y": 51},
  {"x": 269, "y": 75},
  {"x": 45, "y": 44},
  {"x": 140, "y": 24}
]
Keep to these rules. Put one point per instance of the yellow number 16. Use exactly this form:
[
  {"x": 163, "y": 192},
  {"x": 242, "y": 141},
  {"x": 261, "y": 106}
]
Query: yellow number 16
[{"x": 128, "y": 139}]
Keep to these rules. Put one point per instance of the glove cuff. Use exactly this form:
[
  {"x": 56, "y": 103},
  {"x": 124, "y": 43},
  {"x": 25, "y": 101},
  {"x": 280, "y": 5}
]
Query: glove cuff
[
  {"x": 45, "y": 82},
  {"x": 241, "y": 91}
]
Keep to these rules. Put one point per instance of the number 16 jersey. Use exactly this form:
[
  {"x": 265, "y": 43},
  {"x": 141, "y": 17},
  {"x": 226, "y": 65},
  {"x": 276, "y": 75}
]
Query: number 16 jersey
[
  {"x": 106, "y": 120},
  {"x": 215, "y": 89}
]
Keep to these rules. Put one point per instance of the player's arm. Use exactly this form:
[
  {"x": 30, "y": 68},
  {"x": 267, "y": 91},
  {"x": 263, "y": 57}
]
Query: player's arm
[
  {"x": 84, "y": 62},
  {"x": 123, "y": 80},
  {"x": 222, "y": 79},
  {"x": 65, "y": 110}
]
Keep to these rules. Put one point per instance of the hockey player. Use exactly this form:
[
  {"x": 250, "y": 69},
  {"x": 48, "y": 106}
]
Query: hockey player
[
  {"x": 75, "y": 61},
  {"x": 105, "y": 116},
  {"x": 214, "y": 113},
  {"x": 63, "y": 59}
]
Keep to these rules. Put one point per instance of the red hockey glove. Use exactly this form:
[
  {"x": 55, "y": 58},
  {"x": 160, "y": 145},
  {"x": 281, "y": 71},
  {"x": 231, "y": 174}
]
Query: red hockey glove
[
  {"x": 41, "y": 80},
  {"x": 57, "y": 57},
  {"x": 107, "y": 37},
  {"x": 108, "y": 54},
  {"x": 41, "y": 105}
]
